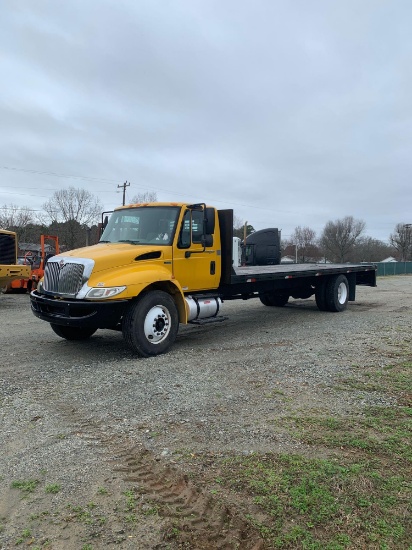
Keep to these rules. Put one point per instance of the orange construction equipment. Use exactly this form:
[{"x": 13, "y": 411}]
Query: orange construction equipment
[{"x": 36, "y": 263}]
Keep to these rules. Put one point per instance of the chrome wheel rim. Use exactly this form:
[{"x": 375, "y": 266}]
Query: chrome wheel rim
[
  {"x": 157, "y": 324},
  {"x": 342, "y": 293}
]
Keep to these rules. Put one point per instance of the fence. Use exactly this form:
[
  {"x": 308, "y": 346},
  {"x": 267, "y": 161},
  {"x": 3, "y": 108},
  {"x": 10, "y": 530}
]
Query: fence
[{"x": 394, "y": 268}]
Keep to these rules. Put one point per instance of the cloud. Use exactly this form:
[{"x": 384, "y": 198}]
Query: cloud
[{"x": 292, "y": 113}]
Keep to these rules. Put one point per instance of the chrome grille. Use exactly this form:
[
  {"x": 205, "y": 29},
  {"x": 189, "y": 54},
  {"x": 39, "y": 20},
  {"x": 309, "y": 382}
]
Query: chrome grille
[{"x": 65, "y": 279}]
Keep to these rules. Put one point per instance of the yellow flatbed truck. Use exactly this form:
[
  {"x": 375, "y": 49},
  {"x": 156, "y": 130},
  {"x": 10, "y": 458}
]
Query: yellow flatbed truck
[
  {"x": 161, "y": 264},
  {"x": 9, "y": 269}
]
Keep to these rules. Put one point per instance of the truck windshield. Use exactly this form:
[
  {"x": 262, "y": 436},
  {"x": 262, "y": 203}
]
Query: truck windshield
[{"x": 142, "y": 225}]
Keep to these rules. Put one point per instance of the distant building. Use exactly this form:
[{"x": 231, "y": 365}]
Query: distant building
[
  {"x": 35, "y": 249},
  {"x": 287, "y": 260},
  {"x": 389, "y": 259}
]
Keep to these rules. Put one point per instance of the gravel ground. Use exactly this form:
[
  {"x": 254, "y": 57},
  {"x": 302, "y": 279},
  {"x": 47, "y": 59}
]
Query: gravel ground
[{"x": 102, "y": 433}]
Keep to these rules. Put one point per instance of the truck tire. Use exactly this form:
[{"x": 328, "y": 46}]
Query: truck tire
[
  {"x": 72, "y": 333},
  {"x": 277, "y": 300},
  {"x": 151, "y": 323},
  {"x": 337, "y": 293}
]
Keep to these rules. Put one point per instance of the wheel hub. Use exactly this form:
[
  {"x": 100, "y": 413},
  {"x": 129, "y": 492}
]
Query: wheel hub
[
  {"x": 342, "y": 293},
  {"x": 157, "y": 324}
]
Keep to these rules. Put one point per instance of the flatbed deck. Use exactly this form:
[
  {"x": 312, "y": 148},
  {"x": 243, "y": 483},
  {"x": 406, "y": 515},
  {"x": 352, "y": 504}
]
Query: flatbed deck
[
  {"x": 294, "y": 279},
  {"x": 288, "y": 271}
]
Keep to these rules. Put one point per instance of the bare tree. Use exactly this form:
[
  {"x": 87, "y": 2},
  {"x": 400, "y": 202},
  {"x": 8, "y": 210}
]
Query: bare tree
[
  {"x": 12, "y": 216},
  {"x": 401, "y": 240},
  {"x": 239, "y": 227},
  {"x": 240, "y": 231},
  {"x": 368, "y": 249},
  {"x": 20, "y": 220},
  {"x": 145, "y": 196},
  {"x": 73, "y": 204},
  {"x": 304, "y": 241},
  {"x": 76, "y": 210},
  {"x": 237, "y": 222},
  {"x": 340, "y": 237}
]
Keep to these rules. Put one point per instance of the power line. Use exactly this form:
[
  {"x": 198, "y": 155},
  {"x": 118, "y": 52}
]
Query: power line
[
  {"x": 110, "y": 181},
  {"x": 56, "y": 174},
  {"x": 158, "y": 189}
]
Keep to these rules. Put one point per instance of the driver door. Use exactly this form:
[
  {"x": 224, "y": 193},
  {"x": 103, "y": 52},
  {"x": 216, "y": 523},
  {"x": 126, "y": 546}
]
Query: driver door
[{"x": 195, "y": 268}]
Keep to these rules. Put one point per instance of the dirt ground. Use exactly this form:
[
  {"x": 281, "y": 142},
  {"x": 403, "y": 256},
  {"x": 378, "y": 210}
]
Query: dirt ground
[{"x": 98, "y": 447}]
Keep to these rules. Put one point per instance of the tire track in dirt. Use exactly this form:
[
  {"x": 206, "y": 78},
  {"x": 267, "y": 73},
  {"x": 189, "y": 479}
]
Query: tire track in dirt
[{"x": 193, "y": 516}]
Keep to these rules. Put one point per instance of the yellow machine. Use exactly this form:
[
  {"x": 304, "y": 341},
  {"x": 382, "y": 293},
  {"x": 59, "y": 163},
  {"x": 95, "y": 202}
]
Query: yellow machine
[{"x": 9, "y": 269}]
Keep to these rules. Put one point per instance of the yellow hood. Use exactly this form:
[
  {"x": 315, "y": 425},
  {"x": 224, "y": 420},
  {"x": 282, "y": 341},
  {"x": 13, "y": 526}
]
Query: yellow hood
[{"x": 109, "y": 255}]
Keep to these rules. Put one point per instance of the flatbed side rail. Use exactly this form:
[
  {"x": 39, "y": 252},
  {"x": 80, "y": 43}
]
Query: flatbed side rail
[{"x": 365, "y": 273}]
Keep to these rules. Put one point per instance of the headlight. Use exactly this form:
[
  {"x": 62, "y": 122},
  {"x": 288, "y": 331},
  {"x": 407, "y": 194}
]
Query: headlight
[{"x": 99, "y": 293}]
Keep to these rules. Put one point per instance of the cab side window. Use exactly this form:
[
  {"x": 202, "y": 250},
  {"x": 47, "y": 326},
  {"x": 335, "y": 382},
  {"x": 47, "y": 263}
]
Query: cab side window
[
  {"x": 192, "y": 229},
  {"x": 184, "y": 237}
]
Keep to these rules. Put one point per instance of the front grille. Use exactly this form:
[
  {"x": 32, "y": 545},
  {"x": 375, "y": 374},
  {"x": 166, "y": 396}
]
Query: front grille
[{"x": 66, "y": 279}]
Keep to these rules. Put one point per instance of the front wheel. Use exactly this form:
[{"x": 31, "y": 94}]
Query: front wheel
[
  {"x": 72, "y": 333},
  {"x": 151, "y": 323}
]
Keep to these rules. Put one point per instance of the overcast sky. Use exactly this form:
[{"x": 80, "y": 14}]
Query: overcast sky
[{"x": 289, "y": 112}]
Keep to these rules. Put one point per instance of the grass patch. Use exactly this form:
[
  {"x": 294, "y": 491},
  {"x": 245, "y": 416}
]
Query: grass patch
[
  {"x": 359, "y": 497},
  {"x": 380, "y": 431},
  {"x": 25, "y": 534},
  {"x": 79, "y": 513},
  {"x": 26, "y": 486},
  {"x": 52, "y": 488},
  {"x": 318, "y": 504}
]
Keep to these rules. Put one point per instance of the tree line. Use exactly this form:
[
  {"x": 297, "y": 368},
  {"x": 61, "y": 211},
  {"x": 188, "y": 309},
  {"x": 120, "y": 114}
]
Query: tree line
[
  {"x": 74, "y": 214},
  {"x": 71, "y": 214}
]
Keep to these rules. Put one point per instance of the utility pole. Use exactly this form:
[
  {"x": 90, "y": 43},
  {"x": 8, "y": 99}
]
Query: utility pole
[{"x": 124, "y": 190}]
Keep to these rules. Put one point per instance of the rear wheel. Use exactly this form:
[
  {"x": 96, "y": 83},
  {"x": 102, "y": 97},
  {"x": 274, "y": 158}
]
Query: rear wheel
[
  {"x": 151, "y": 323},
  {"x": 72, "y": 333},
  {"x": 337, "y": 293},
  {"x": 277, "y": 300}
]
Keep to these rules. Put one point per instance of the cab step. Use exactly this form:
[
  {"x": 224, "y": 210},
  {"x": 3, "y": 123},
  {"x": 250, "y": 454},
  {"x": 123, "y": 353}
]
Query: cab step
[{"x": 209, "y": 320}]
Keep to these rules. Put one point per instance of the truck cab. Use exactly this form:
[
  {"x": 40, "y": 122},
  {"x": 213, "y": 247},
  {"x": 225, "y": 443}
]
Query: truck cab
[
  {"x": 173, "y": 237},
  {"x": 168, "y": 250}
]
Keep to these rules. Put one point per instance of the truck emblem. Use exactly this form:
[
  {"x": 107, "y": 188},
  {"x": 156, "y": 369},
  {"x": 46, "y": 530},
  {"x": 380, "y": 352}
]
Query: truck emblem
[{"x": 62, "y": 263}]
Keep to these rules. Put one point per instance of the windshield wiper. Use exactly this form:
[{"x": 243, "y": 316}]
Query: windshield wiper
[{"x": 104, "y": 241}]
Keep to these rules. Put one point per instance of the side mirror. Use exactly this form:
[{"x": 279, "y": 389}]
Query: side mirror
[
  {"x": 207, "y": 240},
  {"x": 210, "y": 222}
]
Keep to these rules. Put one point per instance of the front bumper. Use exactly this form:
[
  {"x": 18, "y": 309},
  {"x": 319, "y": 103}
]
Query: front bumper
[{"x": 78, "y": 313}]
